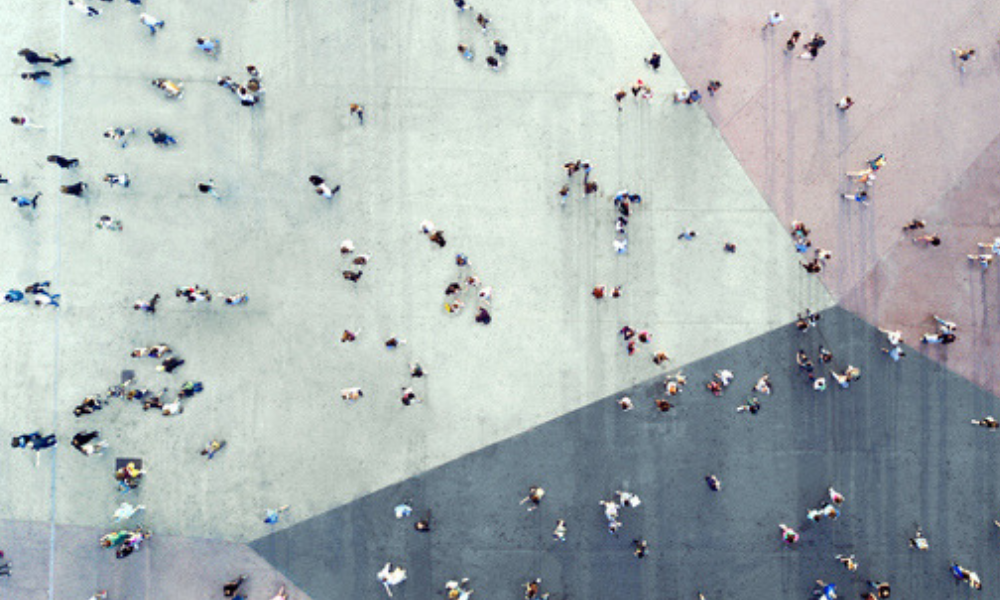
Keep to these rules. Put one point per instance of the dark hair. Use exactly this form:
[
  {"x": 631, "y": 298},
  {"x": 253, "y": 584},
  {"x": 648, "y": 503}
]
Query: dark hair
[{"x": 316, "y": 180}]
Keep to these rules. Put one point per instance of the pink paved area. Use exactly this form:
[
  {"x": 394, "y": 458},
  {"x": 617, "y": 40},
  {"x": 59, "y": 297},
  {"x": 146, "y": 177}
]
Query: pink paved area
[{"x": 937, "y": 126}]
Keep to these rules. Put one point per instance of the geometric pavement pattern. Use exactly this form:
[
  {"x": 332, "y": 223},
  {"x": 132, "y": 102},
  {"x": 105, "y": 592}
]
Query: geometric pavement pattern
[
  {"x": 897, "y": 443},
  {"x": 936, "y": 126},
  {"x": 542, "y": 111}
]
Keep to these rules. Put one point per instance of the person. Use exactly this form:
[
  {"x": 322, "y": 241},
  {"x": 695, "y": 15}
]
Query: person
[
  {"x": 34, "y": 441},
  {"x": 848, "y": 561},
  {"x": 533, "y": 589},
  {"x": 928, "y": 240},
  {"x": 535, "y": 495},
  {"x": 160, "y": 137},
  {"x": 466, "y": 52},
  {"x": 914, "y": 225},
  {"x": 172, "y": 89},
  {"x": 500, "y": 48},
  {"x": 391, "y": 575},
  {"x": 793, "y": 40},
  {"x": 359, "y": 111},
  {"x": 84, "y": 442},
  {"x": 230, "y": 588},
  {"x": 984, "y": 260},
  {"x": 272, "y": 515},
  {"x": 714, "y": 85},
  {"x": 212, "y": 448},
  {"x": 988, "y": 422},
  {"x": 918, "y": 541},
  {"x": 351, "y": 395},
  {"x": 144, "y": 306},
  {"x": 789, "y": 535},
  {"x": 894, "y": 352},
  {"x": 281, "y": 595},
  {"x": 813, "y": 46},
  {"x": 126, "y": 511},
  {"x": 859, "y": 196},
  {"x": 458, "y": 590},
  {"x": 76, "y": 189},
  {"x": 170, "y": 364},
  {"x": 39, "y": 77},
  {"x": 113, "y": 179},
  {"x": 322, "y": 188},
  {"x": 63, "y": 162},
  {"x": 493, "y": 62},
  {"x": 208, "y": 45},
  {"x": 152, "y": 22},
  {"x": 964, "y": 55},
  {"x": 774, "y": 18},
  {"x": 825, "y": 591},
  {"x": 882, "y": 589},
  {"x": 845, "y": 103},
  {"x": 33, "y": 58},
  {"x": 23, "y": 201},
  {"x": 483, "y": 21},
  {"x": 713, "y": 483},
  {"x": 22, "y": 121},
  {"x": 5, "y": 568},
  {"x": 416, "y": 370},
  {"x": 559, "y": 533},
  {"x": 409, "y": 397},
  {"x": 654, "y": 61},
  {"x": 119, "y": 134},
  {"x": 84, "y": 8},
  {"x": 641, "y": 548},
  {"x": 208, "y": 187}
]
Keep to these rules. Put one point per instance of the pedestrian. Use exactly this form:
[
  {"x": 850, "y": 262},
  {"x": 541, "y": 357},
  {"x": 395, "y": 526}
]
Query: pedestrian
[
  {"x": 437, "y": 236},
  {"x": 988, "y": 422},
  {"x": 919, "y": 542},
  {"x": 466, "y": 52},
  {"x": 144, "y": 306},
  {"x": 483, "y": 316},
  {"x": 33, "y": 58},
  {"x": 152, "y": 22},
  {"x": 359, "y": 111},
  {"x": 101, "y": 595},
  {"x": 789, "y": 535},
  {"x": 845, "y": 103},
  {"x": 87, "y": 443},
  {"x": 126, "y": 511},
  {"x": 687, "y": 235},
  {"x": 534, "y": 497},
  {"x": 5, "y": 568},
  {"x": 75, "y": 189},
  {"x": 825, "y": 591},
  {"x": 170, "y": 364},
  {"x": 493, "y": 63},
  {"x": 928, "y": 240},
  {"x": 653, "y": 61},
  {"x": 119, "y": 134},
  {"x": 714, "y": 85},
  {"x": 882, "y": 589},
  {"x": 962, "y": 574},
  {"x": 22, "y": 121},
  {"x": 964, "y": 55},
  {"x": 39, "y": 77},
  {"x": 390, "y": 576},
  {"x": 860, "y": 196},
  {"x": 914, "y": 225},
  {"x": 500, "y": 48},
  {"x": 213, "y": 448},
  {"x": 83, "y": 7},
  {"x": 835, "y": 496},
  {"x": 172, "y": 89},
  {"x": 208, "y": 187},
  {"x": 208, "y": 45},
  {"x": 408, "y": 396},
  {"x": 351, "y": 395},
  {"x": 533, "y": 590},
  {"x": 462, "y": 5},
  {"x": 774, "y": 18},
  {"x": 483, "y": 22},
  {"x": 272, "y": 515},
  {"x": 793, "y": 40},
  {"x": 641, "y": 548},
  {"x": 24, "y": 201},
  {"x": 322, "y": 188},
  {"x": 714, "y": 483},
  {"x": 559, "y": 533},
  {"x": 625, "y": 403},
  {"x": 813, "y": 46},
  {"x": 112, "y": 179},
  {"x": 230, "y": 588},
  {"x": 985, "y": 260},
  {"x": 62, "y": 161},
  {"x": 281, "y": 595},
  {"x": 160, "y": 137}
]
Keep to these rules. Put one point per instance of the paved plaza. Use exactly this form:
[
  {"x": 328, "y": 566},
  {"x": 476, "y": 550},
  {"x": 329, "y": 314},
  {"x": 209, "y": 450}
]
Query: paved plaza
[{"x": 529, "y": 399}]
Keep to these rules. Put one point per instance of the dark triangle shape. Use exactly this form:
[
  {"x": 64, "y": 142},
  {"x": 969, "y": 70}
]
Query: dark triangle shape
[{"x": 898, "y": 444}]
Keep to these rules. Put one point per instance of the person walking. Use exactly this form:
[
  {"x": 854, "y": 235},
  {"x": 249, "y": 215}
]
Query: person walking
[
  {"x": 83, "y": 7},
  {"x": 208, "y": 187},
  {"x": 62, "y": 161},
  {"x": 24, "y": 201},
  {"x": 322, "y": 188},
  {"x": 358, "y": 111},
  {"x": 22, "y": 121},
  {"x": 151, "y": 22}
]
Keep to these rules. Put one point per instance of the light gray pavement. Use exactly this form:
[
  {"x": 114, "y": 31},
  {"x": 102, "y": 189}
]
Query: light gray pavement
[{"x": 479, "y": 153}]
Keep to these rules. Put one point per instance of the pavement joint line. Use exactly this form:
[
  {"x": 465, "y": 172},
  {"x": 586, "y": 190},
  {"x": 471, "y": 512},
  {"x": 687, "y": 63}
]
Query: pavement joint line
[{"x": 55, "y": 334}]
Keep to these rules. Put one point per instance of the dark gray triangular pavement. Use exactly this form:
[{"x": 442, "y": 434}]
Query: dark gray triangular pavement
[{"x": 898, "y": 444}]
